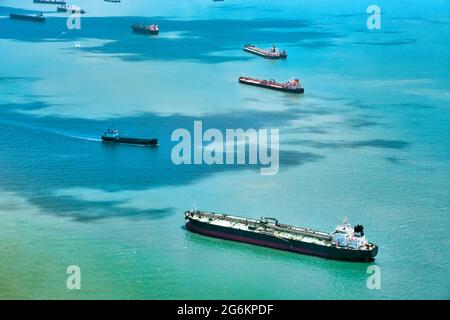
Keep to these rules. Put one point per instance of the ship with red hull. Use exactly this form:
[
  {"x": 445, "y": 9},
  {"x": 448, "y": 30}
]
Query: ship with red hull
[
  {"x": 70, "y": 9},
  {"x": 292, "y": 86},
  {"x": 152, "y": 29},
  {"x": 50, "y": 1},
  {"x": 344, "y": 243}
]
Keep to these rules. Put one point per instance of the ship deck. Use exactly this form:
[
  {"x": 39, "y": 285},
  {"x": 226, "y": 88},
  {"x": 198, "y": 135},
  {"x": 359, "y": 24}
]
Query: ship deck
[
  {"x": 264, "y": 53},
  {"x": 270, "y": 84},
  {"x": 282, "y": 231}
]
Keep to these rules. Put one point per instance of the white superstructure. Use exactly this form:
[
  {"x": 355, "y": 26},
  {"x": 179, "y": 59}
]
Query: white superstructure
[{"x": 346, "y": 236}]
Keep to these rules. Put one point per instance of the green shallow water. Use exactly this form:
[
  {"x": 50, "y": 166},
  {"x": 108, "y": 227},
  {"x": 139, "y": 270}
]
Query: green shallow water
[{"x": 368, "y": 140}]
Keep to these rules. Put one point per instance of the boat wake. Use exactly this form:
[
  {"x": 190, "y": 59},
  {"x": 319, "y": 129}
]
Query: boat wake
[
  {"x": 69, "y": 135},
  {"x": 79, "y": 137},
  {"x": 53, "y": 131}
]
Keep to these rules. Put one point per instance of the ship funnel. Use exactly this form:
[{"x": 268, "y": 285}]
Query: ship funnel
[{"x": 359, "y": 229}]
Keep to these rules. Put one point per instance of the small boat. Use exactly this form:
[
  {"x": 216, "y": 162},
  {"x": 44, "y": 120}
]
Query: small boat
[
  {"x": 70, "y": 9},
  {"x": 37, "y": 18},
  {"x": 152, "y": 29},
  {"x": 272, "y": 53},
  {"x": 115, "y": 1},
  {"x": 50, "y": 1},
  {"x": 292, "y": 85},
  {"x": 112, "y": 135}
]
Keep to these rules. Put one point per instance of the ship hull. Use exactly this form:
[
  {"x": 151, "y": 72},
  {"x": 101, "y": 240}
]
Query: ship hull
[
  {"x": 26, "y": 17},
  {"x": 264, "y": 54},
  {"x": 146, "y": 31},
  {"x": 264, "y": 85},
  {"x": 124, "y": 140},
  {"x": 49, "y": 2},
  {"x": 73, "y": 11},
  {"x": 266, "y": 240}
]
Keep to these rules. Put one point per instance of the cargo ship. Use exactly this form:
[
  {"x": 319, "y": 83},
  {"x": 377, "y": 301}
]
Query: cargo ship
[
  {"x": 344, "y": 243},
  {"x": 112, "y": 135},
  {"x": 152, "y": 29},
  {"x": 292, "y": 86},
  {"x": 36, "y": 18},
  {"x": 50, "y": 1},
  {"x": 272, "y": 53},
  {"x": 70, "y": 9}
]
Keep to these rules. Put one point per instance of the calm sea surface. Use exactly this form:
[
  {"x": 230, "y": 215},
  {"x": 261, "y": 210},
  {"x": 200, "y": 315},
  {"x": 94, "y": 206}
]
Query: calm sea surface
[{"x": 369, "y": 139}]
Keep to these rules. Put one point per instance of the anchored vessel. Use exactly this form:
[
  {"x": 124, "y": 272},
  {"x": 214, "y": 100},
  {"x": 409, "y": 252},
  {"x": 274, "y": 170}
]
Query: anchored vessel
[
  {"x": 152, "y": 29},
  {"x": 70, "y": 8},
  {"x": 272, "y": 53},
  {"x": 292, "y": 85},
  {"x": 112, "y": 135},
  {"x": 344, "y": 243},
  {"x": 37, "y": 18},
  {"x": 50, "y": 1}
]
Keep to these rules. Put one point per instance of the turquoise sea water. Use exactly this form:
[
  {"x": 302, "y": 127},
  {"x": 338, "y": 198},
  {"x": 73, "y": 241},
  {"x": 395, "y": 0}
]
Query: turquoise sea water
[{"x": 369, "y": 139}]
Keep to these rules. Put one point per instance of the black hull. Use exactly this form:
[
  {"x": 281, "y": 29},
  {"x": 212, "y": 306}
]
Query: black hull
[
  {"x": 282, "y": 89},
  {"x": 49, "y": 2},
  {"x": 26, "y": 18},
  {"x": 145, "y": 31},
  {"x": 270, "y": 241},
  {"x": 70, "y": 11},
  {"x": 265, "y": 55},
  {"x": 140, "y": 142}
]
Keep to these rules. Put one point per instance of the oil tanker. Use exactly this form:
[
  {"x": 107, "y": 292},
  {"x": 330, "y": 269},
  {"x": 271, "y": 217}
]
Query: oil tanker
[
  {"x": 50, "y": 1},
  {"x": 292, "y": 86},
  {"x": 152, "y": 29},
  {"x": 70, "y": 9},
  {"x": 344, "y": 243},
  {"x": 112, "y": 135},
  {"x": 272, "y": 53}
]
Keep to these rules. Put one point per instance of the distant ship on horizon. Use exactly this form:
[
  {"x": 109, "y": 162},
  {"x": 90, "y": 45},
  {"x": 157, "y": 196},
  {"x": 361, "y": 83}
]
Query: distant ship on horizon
[
  {"x": 152, "y": 29},
  {"x": 70, "y": 9},
  {"x": 50, "y": 1},
  {"x": 272, "y": 53}
]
